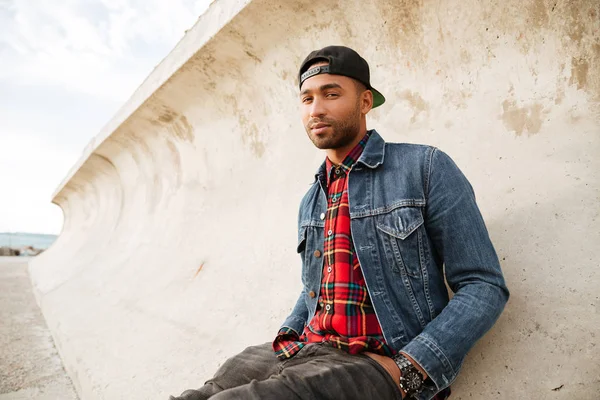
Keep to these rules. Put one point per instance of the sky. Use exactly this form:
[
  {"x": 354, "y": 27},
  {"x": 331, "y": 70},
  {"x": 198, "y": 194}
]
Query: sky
[{"x": 66, "y": 67}]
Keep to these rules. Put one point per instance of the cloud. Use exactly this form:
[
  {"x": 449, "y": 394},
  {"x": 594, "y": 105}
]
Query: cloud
[
  {"x": 100, "y": 47},
  {"x": 30, "y": 166},
  {"x": 65, "y": 68}
]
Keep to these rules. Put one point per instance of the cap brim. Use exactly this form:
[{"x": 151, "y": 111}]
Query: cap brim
[{"x": 378, "y": 98}]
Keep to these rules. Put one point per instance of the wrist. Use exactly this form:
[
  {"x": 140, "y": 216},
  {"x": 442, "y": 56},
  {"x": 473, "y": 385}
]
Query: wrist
[
  {"x": 416, "y": 365},
  {"x": 411, "y": 378}
]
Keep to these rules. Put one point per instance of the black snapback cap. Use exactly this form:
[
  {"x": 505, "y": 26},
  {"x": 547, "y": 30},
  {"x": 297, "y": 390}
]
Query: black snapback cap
[{"x": 342, "y": 61}]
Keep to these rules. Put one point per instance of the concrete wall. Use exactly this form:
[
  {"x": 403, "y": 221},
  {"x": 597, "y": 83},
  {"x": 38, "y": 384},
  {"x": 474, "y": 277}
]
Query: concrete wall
[{"x": 179, "y": 238}]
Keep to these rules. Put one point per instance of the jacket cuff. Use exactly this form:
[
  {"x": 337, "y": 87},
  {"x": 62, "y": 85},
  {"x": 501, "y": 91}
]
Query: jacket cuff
[
  {"x": 432, "y": 359},
  {"x": 294, "y": 323},
  {"x": 286, "y": 330}
]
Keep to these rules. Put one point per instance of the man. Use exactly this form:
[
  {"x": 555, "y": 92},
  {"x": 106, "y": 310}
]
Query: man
[{"x": 378, "y": 231}]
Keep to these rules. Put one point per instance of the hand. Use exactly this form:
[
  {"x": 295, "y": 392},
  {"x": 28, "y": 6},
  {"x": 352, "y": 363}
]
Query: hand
[
  {"x": 392, "y": 368},
  {"x": 389, "y": 365}
]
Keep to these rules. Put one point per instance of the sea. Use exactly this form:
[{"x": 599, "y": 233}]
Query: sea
[{"x": 18, "y": 239}]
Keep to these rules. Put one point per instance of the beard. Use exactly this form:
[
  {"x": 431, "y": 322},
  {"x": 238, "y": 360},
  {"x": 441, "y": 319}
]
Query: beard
[{"x": 341, "y": 133}]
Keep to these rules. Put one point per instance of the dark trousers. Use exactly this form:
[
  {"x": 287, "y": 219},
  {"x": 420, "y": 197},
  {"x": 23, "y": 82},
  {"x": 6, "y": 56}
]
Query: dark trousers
[{"x": 318, "y": 371}]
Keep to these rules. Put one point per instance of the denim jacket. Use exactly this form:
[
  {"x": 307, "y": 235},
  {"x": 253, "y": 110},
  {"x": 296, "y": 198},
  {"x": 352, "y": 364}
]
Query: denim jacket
[{"x": 413, "y": 218}]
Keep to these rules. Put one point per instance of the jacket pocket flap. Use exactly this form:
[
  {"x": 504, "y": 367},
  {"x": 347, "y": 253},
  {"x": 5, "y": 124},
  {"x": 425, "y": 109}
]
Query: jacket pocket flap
[{"x": 400, "y": 222}]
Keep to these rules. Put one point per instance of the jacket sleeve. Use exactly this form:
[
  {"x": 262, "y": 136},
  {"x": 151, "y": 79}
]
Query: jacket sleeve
[
  {"x": 299, "y": 316},
  {"x": 457, "y": 230},
  {"x": 297, "y": 319}
]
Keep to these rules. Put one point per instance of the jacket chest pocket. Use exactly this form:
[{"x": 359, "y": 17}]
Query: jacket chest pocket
[{"x": 402, "y": 239}]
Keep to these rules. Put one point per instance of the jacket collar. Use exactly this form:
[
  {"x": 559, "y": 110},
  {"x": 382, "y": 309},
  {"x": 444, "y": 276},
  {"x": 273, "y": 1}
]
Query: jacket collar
[
  {"x": 374, "y": 152},
  {"x": 372, "y": 155}
]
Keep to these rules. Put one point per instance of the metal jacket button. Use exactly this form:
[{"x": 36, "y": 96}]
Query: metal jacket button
[
  {"x": 312, "y": 294},
  {"x": 317, "y": 253}
]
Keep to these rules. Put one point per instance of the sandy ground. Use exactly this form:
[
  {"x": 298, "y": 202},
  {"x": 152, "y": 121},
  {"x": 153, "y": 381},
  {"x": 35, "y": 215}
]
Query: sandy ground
[{"x": 30, "y": 367}]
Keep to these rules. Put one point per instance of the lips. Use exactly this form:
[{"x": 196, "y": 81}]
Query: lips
[{"x": 319, "y": 128}]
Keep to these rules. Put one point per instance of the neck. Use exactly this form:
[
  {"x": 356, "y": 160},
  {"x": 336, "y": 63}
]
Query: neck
[{"x": 338, "y": 155}]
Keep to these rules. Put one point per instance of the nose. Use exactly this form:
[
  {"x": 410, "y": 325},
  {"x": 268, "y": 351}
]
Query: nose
[{"x": 317, "y": 108}]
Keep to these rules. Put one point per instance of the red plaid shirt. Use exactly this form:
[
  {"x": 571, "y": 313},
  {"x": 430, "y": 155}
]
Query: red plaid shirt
[{"x": 345, "y": 316}]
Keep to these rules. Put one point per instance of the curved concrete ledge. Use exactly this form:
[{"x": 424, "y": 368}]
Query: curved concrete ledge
[{"x": 178, "y": 244}]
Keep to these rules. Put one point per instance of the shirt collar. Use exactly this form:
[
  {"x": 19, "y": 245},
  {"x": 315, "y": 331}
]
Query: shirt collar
[
  {"x": 350, "y": 159},
  {"x": 371, "y": 156}
]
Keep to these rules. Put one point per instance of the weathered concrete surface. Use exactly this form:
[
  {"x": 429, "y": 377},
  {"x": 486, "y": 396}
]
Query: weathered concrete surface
[
  {"x": 30, "y": 367},
  {"x": 179, "y": 233}
]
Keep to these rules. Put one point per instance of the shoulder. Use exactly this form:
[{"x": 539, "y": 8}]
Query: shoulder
[
  {"x": 410, "y": 149},
  {"x": 310, "y": 192},
  {"x": 409, "y": 154},
  {"x": 308, "y": 201}
]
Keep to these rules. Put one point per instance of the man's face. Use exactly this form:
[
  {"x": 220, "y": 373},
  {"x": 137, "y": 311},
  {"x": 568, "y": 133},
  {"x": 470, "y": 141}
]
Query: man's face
[{"x": 331, "y": 110}]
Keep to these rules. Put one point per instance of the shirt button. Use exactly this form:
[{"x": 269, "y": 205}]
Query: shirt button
[
  {"x": 328, "y": 269},
  {"x": 337, "y": 171},
  {"x": 312, "y": 294},
  {"x": 330, "y": 232},
  {"x": 328, "y": 307},
  {"x": 317, "y": 253},
  {"x": 334, "y": 200},
  {"x": 322, "y": 216}
]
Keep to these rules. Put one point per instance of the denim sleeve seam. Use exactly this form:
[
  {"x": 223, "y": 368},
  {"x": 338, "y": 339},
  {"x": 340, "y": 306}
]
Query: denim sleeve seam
[
  {"x": 290, "y": 328},
  {"x": 429, "y": 168},
  {"x": 293, "y": 319},
  {"x": 438, "y": 352}
]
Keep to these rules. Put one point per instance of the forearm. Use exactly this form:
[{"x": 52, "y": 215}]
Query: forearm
[
  {"x": 459, "y": 236},
  {"x": 440, "y": 348},
  {"x": 297, "y": 318}
]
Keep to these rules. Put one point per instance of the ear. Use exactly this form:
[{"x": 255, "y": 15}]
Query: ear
[{"x": 366, "y": 101}]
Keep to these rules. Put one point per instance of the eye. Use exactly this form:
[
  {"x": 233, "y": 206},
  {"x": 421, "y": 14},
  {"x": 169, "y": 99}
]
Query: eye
[
  {"x": 306, "y": 99},
  {"x": 332, "y": 95}
]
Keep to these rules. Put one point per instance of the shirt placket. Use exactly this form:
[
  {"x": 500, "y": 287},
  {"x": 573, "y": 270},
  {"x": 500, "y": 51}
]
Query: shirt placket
[{"x": 333, "y": 201}]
